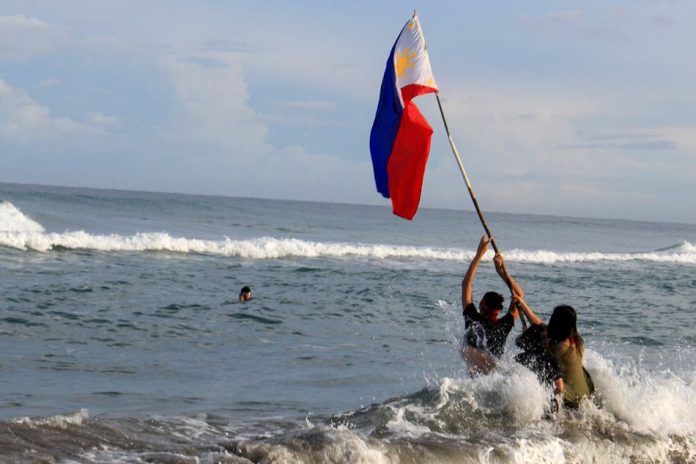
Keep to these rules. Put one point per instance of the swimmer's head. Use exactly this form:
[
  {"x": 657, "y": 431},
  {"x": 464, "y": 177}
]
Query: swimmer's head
[{"x": 245, "y": 294}]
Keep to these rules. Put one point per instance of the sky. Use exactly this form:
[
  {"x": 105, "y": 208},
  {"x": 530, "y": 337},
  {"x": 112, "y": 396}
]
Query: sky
[{"x": 573, "y": 108}]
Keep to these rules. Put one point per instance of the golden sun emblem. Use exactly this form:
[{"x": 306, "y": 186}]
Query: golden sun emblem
[{"x": 404, "y": 61}]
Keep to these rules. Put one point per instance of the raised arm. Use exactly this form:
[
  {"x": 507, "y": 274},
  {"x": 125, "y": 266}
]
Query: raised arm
[
  {"x": 507, "y": 278},
  {"x": 531, "y": 315},
  {"x": 513, "y": 308},
  {"x": 467, "y": 292}
]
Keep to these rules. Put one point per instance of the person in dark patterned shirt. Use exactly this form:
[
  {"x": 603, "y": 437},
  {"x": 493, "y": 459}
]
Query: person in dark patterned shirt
[{"x": 485, "y": 333}]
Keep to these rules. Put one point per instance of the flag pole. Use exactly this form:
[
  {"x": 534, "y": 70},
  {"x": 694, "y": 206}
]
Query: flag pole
[
  {"x": 466, "y": 177},
  {"x": 456, "y": 154},
  {"x": 473, "y": 195}
]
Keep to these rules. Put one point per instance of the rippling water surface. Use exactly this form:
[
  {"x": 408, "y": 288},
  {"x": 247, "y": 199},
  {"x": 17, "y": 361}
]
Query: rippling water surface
[{"x": 121, "y": 338}]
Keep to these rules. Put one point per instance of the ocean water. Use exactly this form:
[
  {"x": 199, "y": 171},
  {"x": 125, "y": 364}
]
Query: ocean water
[{"x": 122, "y": 340}]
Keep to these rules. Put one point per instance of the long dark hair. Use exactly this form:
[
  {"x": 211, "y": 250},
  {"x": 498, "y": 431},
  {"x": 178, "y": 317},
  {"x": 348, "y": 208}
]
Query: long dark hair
[
  {"x": 535, "y": 339},
  {"x": 564, "y": 324}
]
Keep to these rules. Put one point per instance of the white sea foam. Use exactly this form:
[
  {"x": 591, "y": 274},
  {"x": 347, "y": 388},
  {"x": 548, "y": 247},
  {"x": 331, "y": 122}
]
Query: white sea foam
[
  {"x": 326, "y": 445},
  {"x": 61, "y": 420},
  {"x": 12, "y": 220},
  {"x": 20, "y": 232},
  {"x": 651, "y": 415},
  {"x": 652, "y": 403},
  {"x": 404, "y": 427},
  {"x": 275, "y": 248}
]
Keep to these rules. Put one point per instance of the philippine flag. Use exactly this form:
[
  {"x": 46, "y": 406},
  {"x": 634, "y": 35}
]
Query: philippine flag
[{"x": 400, "y": 137}]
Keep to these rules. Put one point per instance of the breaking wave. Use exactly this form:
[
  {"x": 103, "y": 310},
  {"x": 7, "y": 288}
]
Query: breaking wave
[
  {"x": 22, "y": 233},
  {"x": 13, "y": 220},
  {"x": 647, "y": 418}
]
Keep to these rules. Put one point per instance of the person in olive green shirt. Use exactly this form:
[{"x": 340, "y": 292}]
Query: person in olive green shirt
[{"x": 568, "y": 347}]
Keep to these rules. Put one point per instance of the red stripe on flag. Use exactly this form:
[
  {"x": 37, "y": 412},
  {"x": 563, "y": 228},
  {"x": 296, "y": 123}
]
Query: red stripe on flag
[
  {"x": 406, "y": 166},
  {"x": 411, "y": 91}
]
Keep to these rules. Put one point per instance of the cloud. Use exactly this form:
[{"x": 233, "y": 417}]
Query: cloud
[
  {"x": 101, "y": 120},
  {"x": 24, "y": 120},
  {"x": 22, "y": 37},
  {"x": 337, "y": 62},
  {"x": 684, "y": 138},
  {"x": 510, "y": 143},
  {"x": 527, "y": 150},
  {"x": 625, "y": 141},
  {"x": 533, "y": 123},
  {"x": 678, "y": 139},
  {"x": 212, "y": 107},
  {"x": 315, "y": 176},
  {"x": 221, "y": 143}
]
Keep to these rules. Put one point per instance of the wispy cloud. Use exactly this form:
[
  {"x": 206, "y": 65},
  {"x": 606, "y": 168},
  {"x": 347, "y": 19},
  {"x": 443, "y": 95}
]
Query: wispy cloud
[
  {"x": 23, "y": 119},
  {"x": 624, "y": 141},
  {"x": 212, "y": 102},
  {"x": 683, "y": 137},
  {"x": 22, "y": 37},
  {"x": 102, "y": 120}
]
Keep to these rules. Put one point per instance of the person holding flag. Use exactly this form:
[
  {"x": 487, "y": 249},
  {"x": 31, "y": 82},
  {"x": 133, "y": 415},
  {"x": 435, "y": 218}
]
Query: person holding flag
[
  {"x": 400, "y": 146},
  {"x": 485, "y": 334}
]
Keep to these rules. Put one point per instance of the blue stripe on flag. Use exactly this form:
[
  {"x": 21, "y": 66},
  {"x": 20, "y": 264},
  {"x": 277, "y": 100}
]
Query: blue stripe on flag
[{"x": 386, "y": 125}]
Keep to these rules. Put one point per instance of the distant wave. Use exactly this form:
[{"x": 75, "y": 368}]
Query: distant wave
[
  {"x": 13, "y": 220},
  {"x": 683, "y": 253},
  {"x": 20, "y": 232}
]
